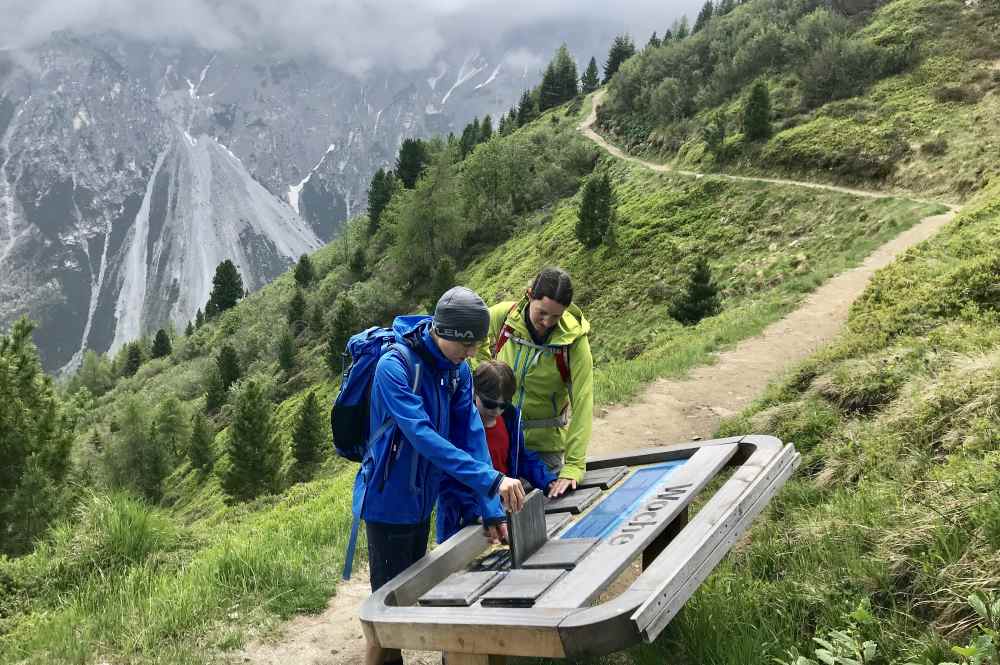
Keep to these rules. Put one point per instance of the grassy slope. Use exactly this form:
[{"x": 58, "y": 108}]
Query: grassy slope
[
  {"x": 104, "y": 586},
  {"x": 944, "y": 114}
]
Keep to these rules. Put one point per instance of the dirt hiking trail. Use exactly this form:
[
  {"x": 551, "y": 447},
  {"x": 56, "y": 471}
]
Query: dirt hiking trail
[{"x": 669, "y": 411}]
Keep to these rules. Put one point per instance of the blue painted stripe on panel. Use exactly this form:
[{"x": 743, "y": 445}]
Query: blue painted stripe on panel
[{"x": 622, "y": 502}]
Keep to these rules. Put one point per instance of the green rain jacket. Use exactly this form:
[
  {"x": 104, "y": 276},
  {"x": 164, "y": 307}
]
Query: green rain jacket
[{"x": 546, "y": 402}]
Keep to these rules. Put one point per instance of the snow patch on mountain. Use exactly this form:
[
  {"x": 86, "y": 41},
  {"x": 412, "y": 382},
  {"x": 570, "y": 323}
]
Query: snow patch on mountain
[
  {"x": 496, "y": 70},
  {"x": 469, "y": 69},
  {"x": 295, "y": 190}
]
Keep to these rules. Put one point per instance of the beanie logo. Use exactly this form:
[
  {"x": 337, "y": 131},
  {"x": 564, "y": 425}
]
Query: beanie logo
[{"x": 462, "y": 334}]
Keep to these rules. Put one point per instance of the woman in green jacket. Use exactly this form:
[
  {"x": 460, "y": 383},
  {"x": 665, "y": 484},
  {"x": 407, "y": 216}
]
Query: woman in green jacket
[{"x": 543, "y": 337}]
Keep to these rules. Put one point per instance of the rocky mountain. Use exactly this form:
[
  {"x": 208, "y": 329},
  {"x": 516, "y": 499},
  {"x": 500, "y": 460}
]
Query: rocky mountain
[{"x": 129, "y": 170}]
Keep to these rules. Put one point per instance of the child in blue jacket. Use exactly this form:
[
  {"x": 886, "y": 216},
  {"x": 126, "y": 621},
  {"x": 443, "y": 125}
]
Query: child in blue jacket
[
  {"x": 436, "y": 431},
  {"x": 494, "y": 386}
]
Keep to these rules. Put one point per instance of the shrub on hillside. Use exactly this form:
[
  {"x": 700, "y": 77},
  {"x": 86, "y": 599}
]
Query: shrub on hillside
[{"x": 700, "y": 298}]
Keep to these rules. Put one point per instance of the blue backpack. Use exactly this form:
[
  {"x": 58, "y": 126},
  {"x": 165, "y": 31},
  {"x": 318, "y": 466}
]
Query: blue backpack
[{"x": 349, "y": 416}]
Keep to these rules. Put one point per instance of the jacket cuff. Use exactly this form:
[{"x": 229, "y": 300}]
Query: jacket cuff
[
  {"x": 495, "y": 487},
  {"x": 572, "y": 473},
  {"x": 494, "y": 521}
]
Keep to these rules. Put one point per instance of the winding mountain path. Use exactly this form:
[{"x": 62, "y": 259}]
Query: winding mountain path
[{"x": 669, "y": 411}]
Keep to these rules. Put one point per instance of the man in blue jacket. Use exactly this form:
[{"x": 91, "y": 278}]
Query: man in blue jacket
[{"x": 436, "y": 431}]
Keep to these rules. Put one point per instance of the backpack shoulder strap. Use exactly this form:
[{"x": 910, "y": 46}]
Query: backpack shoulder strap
[
  {"x": 505, "y": 331},
  {"x": 562, "y": 362}
]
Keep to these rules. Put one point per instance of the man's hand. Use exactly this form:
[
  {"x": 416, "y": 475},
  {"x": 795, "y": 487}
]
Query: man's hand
[
  {"x": 497, "y": 533},
  {"x": 511, "y": 494},
  {"x": 560, "y": 486}
]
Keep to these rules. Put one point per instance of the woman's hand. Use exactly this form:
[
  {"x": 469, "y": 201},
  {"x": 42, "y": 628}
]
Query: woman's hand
[{"x": 560, "y": 486}]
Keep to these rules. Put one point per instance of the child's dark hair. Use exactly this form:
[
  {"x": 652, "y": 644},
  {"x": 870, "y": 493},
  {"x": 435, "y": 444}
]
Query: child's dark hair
[
  {"x": 494, "y": 379},
  {"x": 553, "y": 283}
]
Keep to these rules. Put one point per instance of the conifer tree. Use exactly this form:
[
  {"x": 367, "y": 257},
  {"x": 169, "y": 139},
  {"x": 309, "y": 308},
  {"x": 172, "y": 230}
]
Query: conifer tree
[
  {"x": 171, "y": 427},
  {"x": 297, "y": 310},
  {"x": 379, "y": 194},
  {"x": 161, "y": 344},
  {"x": 470, "y": 137},
  {"x": 668, "y": 35},
  {"x": 654, "y": 41},
  {"x": 700, "y": 299},
  {"x": 714, "y": 134},
  {"x": 502, "y": 126},
  {"x": 757, "y": 113},
  {"x": 345, "y": 323},
  {"x": 305, "y": 274},
  {"x": 286, "y": 351},
  {"x": 411, "y": 162},
  {"x": 566, "y": 75},
  {"x": 200, "y": 449},
  {"x": 704, "y": 16},
  {"x": 724, "y": 7},
  {"x": 227, "y": 288},
  {"x": 527, "y": 110},
  {"x": 358, "y": 266},
  {"x": 189, "y": 329},
  {"x": 95, "y": 374},
  {"x": 596, "y": 212},
  {"x": 227, "y": 364},
  {"x": 35, "y": 440},
  {"x": 309, "y": 439},
  {"x": 133, "y": 359},
  {"x": 591, "y": 78},
  {"x": 442, "y": 280},
  {"x": 215, "y": 393},
  {"x": 548, "y": 89},
  {"x": 621, "y": 50},
  {"x": 486, "y": 129},
  {"x": 143, "y": 463},
  {"x": 682, "y": 30},
  {"x": 199, "y": 319},
  {"x": 253, "y": 446}
]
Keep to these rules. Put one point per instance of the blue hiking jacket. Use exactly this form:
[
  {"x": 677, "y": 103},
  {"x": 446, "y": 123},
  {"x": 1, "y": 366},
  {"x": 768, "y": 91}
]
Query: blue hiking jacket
[
  {"x": 458, "y": 507},
  {"x": 436, "y": 432}
]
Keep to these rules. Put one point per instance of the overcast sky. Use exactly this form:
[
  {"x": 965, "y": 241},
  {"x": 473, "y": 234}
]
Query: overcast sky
[{"x": 353, "y": 35}]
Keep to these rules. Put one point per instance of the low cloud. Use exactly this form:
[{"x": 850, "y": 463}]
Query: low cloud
[{"x": 353, "y": 35}]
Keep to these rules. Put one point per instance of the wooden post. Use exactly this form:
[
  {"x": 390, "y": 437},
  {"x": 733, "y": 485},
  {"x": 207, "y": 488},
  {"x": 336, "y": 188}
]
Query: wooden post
[{"x": 661, "y": 541}]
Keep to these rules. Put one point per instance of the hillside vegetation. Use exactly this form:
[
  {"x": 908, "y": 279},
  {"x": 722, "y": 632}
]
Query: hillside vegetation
[{"x": 146, "y": 555}]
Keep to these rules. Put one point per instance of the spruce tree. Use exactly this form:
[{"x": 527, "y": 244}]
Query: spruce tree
[
  {"x": 199, "y": 319},
  {"x": 700, "y": 298},
  {"x": 171, "y": 425},
  {"x": 227, "y": 364},
  {"x": 596, "y": 212},
  {"x": 757, "y": 113},
  {"x": 309, "y": 439},
  {"x": 227, "y": 288},
  {"x": 345, "y": 323},
  {"x": 133, "y": 359},
  {"x": 411, "y": 162},
  {"x": 704, "y": 16},
  {"x": 379, "y": 194},
  {"x": 621, "y": 50},
  {"x": 286, "y": 351},
  {"x": 591, "y": 78},
  {"x": 714, "y": 135},
  {"x": 527, "y": 110},
  {"x": 486, "y": 129},
  {"x": 470, "y": 137},
  {"x": 358, "y": 265},
  {"x": 682, "y": 30},
  {"x": 305, "y": 274},
  {"x": 654, "y": 41},
  {"x": 668, "y": 35},
  {"x": 189, "y": 329},
  {"x": 502, "y": 126},
  {"x": 35, "y": 440},
  {"x": 442, "y": 280},
  {"x": 143, "y": 463},
  {"x": 253, "y": 447},
  {"x": 548, "y": 89},
  {"x": 215, "y": 393},
  {"x": 724, "y": 7},
  {"x": 200, "y": 449},
  {"x": 566, "y": 75},
  {"x": 297, "y": 310},
  {"x": 161, "y": 344}
]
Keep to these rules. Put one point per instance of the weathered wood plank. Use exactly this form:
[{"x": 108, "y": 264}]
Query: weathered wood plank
[
  {"x": 603, "y": 478},
  {"x": 611, "y": 556},
  {"x": 460, "y": 589},
  {"x": 564, "y": 553},
  {"x": 573, "y": 502},
  {"x": 713, "y": 529},
  {"x": 520, "y": 588},
  {"x": 527, "y": 529}
]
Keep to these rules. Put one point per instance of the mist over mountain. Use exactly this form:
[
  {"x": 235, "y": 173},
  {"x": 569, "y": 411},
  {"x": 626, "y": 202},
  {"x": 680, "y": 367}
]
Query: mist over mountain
[{"x": 136, "y": 157}]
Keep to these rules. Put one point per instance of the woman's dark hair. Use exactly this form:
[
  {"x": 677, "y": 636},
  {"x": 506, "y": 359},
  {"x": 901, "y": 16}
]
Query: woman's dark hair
[
  {"x": 494, "y": 379},
  {"x": 553, "y": 283}
]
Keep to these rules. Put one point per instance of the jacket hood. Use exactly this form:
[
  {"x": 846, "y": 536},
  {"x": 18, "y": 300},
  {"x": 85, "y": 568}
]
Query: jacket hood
[{"x": 571, "y": 326}]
